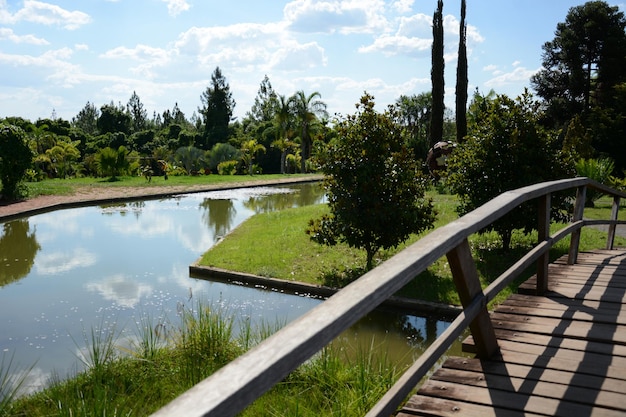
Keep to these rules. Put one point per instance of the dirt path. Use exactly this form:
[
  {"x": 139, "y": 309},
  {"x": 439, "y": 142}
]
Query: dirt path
[{"x": 84, "y": 196}]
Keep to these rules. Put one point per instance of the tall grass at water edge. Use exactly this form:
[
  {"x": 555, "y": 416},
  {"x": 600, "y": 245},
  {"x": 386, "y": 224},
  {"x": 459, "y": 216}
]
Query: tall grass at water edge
[{"x": 164, "y": 360}]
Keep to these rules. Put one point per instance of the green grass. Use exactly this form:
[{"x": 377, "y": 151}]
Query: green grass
[
  {"x": 70, "y": 186},
  {"x": 138, "y": 381},
  {"x": 275, "y": 245}
]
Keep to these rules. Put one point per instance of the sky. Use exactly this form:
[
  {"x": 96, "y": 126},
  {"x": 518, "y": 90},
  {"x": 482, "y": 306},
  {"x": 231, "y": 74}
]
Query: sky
[{"x": 55, "y": 56}]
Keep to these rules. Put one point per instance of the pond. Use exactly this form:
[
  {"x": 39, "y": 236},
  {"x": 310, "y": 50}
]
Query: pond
[{"x": 68, "y": 274}]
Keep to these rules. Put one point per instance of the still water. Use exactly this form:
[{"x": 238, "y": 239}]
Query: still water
[{"x": 69, "y": 273}]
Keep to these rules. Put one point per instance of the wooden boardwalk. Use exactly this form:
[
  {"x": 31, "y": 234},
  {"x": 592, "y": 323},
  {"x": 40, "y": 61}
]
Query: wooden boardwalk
[{"x": 561, "y": 354}]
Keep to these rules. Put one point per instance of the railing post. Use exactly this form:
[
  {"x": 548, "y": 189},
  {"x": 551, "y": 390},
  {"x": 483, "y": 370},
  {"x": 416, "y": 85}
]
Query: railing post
[
  {"x": 543, "y": 232},
  {"x": 614, "y": 213},
  {"x": 468, "y": 286},
  {"x": 579, "y": 208}
]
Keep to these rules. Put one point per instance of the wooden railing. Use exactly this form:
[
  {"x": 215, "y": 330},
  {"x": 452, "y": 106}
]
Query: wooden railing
[{"x": 238, "y": 384}]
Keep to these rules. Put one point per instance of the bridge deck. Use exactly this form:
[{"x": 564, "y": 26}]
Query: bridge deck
[{"x": 561, "y": 354}]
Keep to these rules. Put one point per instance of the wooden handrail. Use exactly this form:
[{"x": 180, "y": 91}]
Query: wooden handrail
[{"x": 231, "y": 389}]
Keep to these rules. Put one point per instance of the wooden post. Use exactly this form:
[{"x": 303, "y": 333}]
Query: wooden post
[
  {"x": 543, "y": 232},
  {"x": 468, "y": 286},
  {"x": 614, "y": 212},
  {"x": 579, "y": 208}
]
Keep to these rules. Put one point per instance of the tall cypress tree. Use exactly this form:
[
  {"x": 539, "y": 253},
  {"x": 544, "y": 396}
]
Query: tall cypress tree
[
  {"x": 217, "y": 110},
  {"x": 436, "y": 76},
  {"x": 461, "y": 80}
]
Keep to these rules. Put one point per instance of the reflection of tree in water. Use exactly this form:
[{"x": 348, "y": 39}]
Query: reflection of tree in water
[
  {"x": 218, "y": 215},
  {"x": 302, "y": 195},
  {"x": 18, "y": 248},
  {"x": 123, "y": 209}
]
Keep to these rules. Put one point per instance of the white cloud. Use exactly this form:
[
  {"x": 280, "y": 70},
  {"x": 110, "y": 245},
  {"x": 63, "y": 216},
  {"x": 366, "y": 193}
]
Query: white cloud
[
  {"x": 176, "y": 7},
  {"x": 149, "y": 57},
  {"x": 61, "y": 262},
  {"x": 519, "y": 74},
  {"x": 402, "y": 6},
  {"x": 45, "y": 14},
  {"x": 248, "y": 47},
  {"x": 123, "y": 291},
  {"x": 8, "y": 34},
  {"x": 353, "y": 16}
]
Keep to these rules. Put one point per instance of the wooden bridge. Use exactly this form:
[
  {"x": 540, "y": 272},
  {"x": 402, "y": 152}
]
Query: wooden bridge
[{"x": 557, "y": 348}]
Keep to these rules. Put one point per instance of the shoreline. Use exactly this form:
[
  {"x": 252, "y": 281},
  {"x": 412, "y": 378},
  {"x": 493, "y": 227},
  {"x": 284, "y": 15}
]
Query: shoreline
[{"x": 111, "y": 195}]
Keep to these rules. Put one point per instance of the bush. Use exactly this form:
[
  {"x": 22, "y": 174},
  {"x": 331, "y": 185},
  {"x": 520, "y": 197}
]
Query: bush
[
  {"x": 597, "y": 169},
  {"x": 507, "y": 148},
  {"x": 227, "y": 167},
  {"x": 15, "y": 159}
]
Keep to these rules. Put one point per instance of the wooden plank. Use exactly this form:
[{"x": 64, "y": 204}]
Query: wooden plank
[
  {"x": 563, "y": 304},
  {"x": 419, "y": 405},
  {"x": 582, "y": 330},
  {"x": 504, "y": 335},
  {"x": 555, "y": 390},
  {"x": 511, "y": 400},
  {"x": 526, "y": 371},
  {"x": 567, "y": 354},
  {"x": 577, "y": 315}
]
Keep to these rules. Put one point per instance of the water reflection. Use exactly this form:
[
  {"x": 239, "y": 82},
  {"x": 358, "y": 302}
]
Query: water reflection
[
  {"x": 18, "y": 248},
  {"x": 219, "y": 215},
  {"x": 109, "y": 265}
]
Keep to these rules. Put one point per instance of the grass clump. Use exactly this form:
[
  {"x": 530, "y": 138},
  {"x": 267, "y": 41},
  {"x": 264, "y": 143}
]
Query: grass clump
[{"x": 159, "y": 366}]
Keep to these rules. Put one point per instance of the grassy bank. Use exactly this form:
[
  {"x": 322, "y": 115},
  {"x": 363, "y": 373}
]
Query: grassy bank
[
  {"x": 73, "y": 185},
  {"x": 275, "y": 245},
  {"x": 164, "y": 361}
]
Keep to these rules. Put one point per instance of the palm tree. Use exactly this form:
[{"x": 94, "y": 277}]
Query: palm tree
[
  {"x": 307, "y": 109},
  {"x": 283, "y": 120},
  {"x": 249, "y": 149}
]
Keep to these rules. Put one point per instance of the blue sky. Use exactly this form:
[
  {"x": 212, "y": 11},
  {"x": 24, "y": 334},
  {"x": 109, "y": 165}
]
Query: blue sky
[{"x": 60, "y": 54}]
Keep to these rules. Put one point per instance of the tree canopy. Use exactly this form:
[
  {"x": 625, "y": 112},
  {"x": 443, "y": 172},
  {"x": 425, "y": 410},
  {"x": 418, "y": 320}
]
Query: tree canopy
[
  {"x": 374, "y": 187},
  {"x": 584, "y": 62},
  {"x": 15, "y": 158},
  {"x": 217, "y": 109},
  {"x": 506, "y": 148}
]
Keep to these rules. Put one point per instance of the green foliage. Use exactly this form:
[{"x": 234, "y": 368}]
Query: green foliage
[
  {"x": 437, "y": 77},
  {"x": 222, "y": 152},
  {"x": 506, "y": 149},
  {"x": 227, "y": 167},
  {"x": 110, "y": 162},
  {"x": 15, "y": 159},
  {"x": 191, "y": 158},
  {"x": 307, "y": 110},
  {"x": 217, "y": 110},
  {"x": 597, "y": 169},
  {"x": 375, "y": 192},
  {"x": 249, "y": 150}
]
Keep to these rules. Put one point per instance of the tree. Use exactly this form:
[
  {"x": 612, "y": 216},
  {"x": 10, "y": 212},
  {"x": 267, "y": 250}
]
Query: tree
[
  {"x": 191, "y": 158},
  {"x": 114, "y": 119},
  {"x": 584, "y": 62},
  {"x": 437, "y": 77},
  {"x": 307, "y": 109},
  {"x": 461, "y": 79},
  {"x": 111, "y": 162},
  {"x": 15, "y": 158},
  {"x": 507, "y": 148},
  {"x": 374, "y": 188},
  {"x": 217, "y": 109},
  {"x": 249, "y": 149},
  {"x": 138, "y": 114},
  {"x": 264, "y": 106},
  {"x": 283, "y": 128},
  {"x": 414, "y": 114}
]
